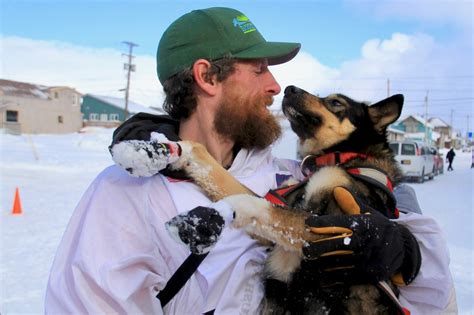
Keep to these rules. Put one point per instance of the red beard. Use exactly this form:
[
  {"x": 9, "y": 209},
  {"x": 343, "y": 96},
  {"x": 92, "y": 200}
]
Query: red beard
[{"x": 247, "y": 123}]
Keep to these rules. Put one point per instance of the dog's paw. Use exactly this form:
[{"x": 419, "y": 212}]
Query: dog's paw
[
  {"x": 198, "y": 229},
  {"x": 248, "y": 210},
  {"x": 185, "y": 157}
]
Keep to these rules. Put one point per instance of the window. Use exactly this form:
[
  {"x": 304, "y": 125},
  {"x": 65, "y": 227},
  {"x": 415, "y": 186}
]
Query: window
[
  {"x": 93, "y": 116},
  {"x": 12, "y": 116},
  {"x": 74, "y": 99},
  {"x": 394, "y": 148},
  {"x": 408, "y": 149},
  {"x": 411, "y": 129},
  {"x": 60, "y": 119},
  {"x": 104, "y": 117},
  {"x": 114, "y": 117}
]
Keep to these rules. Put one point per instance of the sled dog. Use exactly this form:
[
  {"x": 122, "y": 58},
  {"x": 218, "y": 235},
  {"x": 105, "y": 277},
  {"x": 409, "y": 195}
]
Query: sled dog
[{"x": 344, "y": 144}]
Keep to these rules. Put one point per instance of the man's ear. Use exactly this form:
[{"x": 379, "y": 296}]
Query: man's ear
[{"x": 200, "y": 70}]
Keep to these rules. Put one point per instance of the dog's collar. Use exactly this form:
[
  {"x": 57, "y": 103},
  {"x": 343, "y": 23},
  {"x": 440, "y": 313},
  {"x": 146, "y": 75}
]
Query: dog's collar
[{"x": 312, "y": 162}]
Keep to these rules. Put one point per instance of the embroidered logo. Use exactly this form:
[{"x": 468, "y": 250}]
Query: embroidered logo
[{"x": 244, "y": 24}]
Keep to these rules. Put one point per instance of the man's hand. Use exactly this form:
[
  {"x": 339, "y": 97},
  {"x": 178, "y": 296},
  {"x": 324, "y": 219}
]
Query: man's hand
[
  {"x": 144, "y": 158},
  {"x": 198, "y": 229},
  {"x": 362, "y": 248},
  {"x": 146, "y": 144}
]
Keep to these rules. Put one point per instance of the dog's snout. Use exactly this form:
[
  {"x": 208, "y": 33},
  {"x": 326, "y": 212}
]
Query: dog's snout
[{"x": 292, "y": 90}]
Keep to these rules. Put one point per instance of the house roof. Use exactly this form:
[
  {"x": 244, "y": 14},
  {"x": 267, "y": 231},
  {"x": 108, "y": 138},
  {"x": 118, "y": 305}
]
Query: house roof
[
  {"x": 133, "y": 107},
  {"x": 23, "y": 89},
  {"x": 420, "y": 119},
  {"x": 394, "y": 130},
  {"x": 438, "y": 122}
]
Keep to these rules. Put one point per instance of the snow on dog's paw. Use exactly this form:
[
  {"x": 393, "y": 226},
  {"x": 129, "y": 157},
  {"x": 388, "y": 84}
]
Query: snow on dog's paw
[
  {"x": 198, "y": 229},
  {"x": 248, "y": 210}
]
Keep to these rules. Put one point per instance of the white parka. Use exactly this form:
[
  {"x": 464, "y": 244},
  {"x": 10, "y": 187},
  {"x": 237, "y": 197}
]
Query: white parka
[{"x": 116, "y": 254}]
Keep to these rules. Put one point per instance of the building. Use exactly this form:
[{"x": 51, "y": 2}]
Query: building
[
  {"x": 416, "y": 128},
  {"x": 445, "y": 133},
  {"x": 108, "y": 111},
  {"x": 394, "y": 134},
  {"x": 32, "y": 108}
]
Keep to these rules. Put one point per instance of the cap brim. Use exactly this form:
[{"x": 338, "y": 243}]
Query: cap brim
[{"x": 275, "y": 52}]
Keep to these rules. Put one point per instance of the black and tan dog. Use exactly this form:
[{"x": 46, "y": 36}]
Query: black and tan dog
[{"x": 346, "y": 148}]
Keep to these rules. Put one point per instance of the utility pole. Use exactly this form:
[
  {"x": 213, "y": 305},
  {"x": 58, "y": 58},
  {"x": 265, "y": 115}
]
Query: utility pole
[
  {"x": 129, "y": 67},
  {"x": 467, "y": 131},
  {"x": 426, "y": 118},
  {"x": 452, "y": 127},
  {"x": 388, "y": 87}
]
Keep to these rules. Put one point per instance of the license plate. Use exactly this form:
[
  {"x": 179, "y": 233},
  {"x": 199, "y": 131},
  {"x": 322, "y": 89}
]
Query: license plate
[{"x": 406, "y": 162}]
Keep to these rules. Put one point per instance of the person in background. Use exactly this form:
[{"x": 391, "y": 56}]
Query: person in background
[
  {"x": 449, "y": 158},
  {"x": 472, "y": 158},
  {"x": 116, "y": 255}
]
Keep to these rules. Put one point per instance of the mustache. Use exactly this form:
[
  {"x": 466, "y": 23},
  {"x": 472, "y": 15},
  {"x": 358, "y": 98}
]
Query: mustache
[{"x": 265, "y": 101}]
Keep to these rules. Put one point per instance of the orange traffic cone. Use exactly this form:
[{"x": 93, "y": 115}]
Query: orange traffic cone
[{"x": 17, "y": 203}]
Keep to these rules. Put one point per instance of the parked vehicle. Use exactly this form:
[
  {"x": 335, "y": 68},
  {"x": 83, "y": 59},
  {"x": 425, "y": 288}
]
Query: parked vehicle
[
  {"x": 439, "y": 160},
  {"x": 415, "y": 159}
]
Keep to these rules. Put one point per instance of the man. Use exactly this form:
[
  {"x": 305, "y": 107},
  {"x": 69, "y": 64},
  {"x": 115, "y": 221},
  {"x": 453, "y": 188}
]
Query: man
[
  {"x": 449, "y": 158},
  {"x": 472, "y": 157},
  {"x": 116, "y": 254}
]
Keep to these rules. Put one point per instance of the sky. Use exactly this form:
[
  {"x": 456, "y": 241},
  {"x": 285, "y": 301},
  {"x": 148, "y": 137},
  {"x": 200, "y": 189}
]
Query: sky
[
  {"x": 37, "y": 163},
  {"x": 364, "y": 49}
]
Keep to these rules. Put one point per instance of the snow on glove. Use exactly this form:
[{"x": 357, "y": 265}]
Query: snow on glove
[
  {"x": 361, "y": 248},
  {"x": 144, "y": 158},
  {"x": 200, "y": 228}
]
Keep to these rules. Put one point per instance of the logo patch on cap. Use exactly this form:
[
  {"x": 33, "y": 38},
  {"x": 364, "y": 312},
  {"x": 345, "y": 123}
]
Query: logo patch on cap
[{"x": 244, "y": 24}]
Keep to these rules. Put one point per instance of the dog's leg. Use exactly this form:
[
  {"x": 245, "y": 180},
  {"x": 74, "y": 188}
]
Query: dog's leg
[
  {"x": 282, "y": 226},
  {"x": 207, "y": 173}
]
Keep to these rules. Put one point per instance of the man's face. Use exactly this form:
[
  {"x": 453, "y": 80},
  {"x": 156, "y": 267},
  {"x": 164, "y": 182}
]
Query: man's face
[{"x": 243, "y": 114}]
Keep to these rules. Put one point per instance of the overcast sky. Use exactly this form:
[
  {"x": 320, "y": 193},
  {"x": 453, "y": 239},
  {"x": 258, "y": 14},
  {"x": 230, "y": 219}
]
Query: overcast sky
[{"x": 365, "y": 49}]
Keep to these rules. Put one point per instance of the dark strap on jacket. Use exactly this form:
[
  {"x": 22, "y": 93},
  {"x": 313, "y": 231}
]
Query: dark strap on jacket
[{"x": 179, "y": 278}]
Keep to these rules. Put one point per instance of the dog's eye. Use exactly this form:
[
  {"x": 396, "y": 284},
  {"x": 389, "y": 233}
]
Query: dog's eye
[
  {"x": 336, "y": 103},
  {"x": 336, "y": 106}
]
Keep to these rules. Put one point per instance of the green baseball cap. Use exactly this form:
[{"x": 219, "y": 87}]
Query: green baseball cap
[{"x": 212, "y": 34}]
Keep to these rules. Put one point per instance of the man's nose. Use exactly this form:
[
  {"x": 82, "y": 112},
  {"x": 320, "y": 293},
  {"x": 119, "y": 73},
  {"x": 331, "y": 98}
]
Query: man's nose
[{"x": 273, "y": 86}]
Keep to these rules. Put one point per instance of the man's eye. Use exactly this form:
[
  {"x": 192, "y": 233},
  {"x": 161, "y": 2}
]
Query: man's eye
[{"x": 261, "y": 69}]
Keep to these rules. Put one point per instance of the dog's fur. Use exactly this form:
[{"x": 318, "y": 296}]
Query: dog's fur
[{"x": 333, "y": 123}]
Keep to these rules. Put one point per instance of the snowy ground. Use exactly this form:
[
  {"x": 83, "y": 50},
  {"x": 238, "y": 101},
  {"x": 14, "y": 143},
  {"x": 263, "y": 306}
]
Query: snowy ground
[{"x": 52, "y": 172}]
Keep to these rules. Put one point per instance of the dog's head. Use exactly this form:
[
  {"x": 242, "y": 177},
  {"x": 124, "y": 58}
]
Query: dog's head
[{"x": 337, "y": 122}]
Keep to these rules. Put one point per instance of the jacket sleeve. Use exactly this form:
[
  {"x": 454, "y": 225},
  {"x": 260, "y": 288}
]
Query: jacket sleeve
[
  {"x": 432, "y": 291},
  {"x": 106, "y": 262}
]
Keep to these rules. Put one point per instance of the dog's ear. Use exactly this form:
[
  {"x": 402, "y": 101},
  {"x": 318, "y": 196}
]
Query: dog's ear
[{"x": 386, "y": 112}]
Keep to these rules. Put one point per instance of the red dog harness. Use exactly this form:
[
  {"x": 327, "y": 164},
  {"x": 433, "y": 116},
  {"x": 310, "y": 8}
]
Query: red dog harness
[
  {"x": 312, "y": 163},
  {"x": 370, "y": 175}
]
